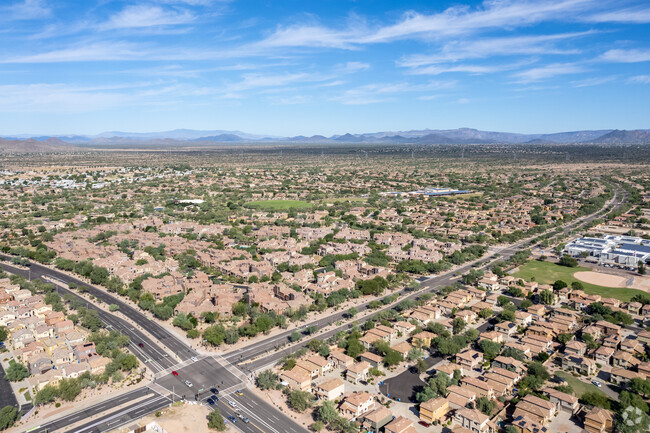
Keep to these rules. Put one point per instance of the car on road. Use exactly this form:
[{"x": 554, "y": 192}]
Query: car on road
[
  {"x": 175, "y": 373},
  {"x": 194, "y": 358},
  {"x": 424, "y": 423},
  {"x": 210, "y": 401},
  {"x": 597, "y": 383},
  {"x": 239, "y": 392},
  {"x": 246, "y": 420},
  {"x": 188, "y": 383},
  {"x": 214, "y": 390},
  {"x": 140, "y": 344},
  {"x": 214, "y": 397},
  {"x": 232, "y": 403},
  {"x": 232, "y": 419}
]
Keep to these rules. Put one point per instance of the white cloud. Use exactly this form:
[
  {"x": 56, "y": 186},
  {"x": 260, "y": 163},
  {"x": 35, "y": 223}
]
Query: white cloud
[
  {"x": 480, "y": 48},
  {"x": 640, "y": 79},
  {"x": 100, "y": 51},
  {"x": 626, "y": 56},
  {"x": 352, "y": 67},
  {"x": 384, "y": 92},
  {"x": 26, "y": 10},
  {"x": 138, "y": 16},
  {"x": 548, "y": 71},
  {"x": 457, "y": 20},
  {"x": 594, "y": 81},
  {"x": 630, "y": 15}
]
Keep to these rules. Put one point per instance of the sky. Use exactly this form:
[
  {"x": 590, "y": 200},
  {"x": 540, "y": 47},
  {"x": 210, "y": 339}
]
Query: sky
[{"x": 296, "y": 67}]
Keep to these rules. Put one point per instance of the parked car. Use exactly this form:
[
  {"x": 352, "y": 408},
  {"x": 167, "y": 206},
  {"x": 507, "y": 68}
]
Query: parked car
[
  {"x": 424, "y": 423},
  {"x": 597, "y": 383}
]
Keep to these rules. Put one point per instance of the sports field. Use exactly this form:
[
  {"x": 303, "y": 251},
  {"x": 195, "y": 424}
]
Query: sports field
[
  {"x": 548, "y": 273},
  {"x": 278, "y": 205}
]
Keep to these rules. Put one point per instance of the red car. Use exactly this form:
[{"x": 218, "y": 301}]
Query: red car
[
  {"x": 424, "y": 423},
  {"x": 175, "y": 373}
]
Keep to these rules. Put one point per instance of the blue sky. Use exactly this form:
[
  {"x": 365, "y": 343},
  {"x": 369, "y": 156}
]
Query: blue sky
[{"x": 289, "y": 67}]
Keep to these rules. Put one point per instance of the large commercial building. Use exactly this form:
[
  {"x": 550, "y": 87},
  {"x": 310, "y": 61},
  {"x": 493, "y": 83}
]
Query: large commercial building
[{"x": 618, "y": 250}]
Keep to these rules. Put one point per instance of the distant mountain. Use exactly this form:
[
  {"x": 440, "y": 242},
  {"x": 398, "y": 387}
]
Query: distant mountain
[
  {"x": 221, "y": 138},
  {"x": 34, "y": 146},
  {"x": 638, "y": 136},
  {"x": 465, "y": 136}
]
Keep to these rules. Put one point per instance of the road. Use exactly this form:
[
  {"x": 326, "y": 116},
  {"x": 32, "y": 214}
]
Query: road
[{"x": 162, "y": 362}]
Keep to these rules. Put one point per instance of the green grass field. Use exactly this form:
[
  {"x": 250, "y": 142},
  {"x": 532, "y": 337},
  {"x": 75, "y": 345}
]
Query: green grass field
[
  {"x": 579, "y": 387},
  {"x": 548, "y": 273},
  {"x": 278, "y": 205}
]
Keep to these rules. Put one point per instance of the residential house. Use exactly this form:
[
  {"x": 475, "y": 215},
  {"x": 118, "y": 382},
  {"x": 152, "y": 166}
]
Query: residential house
[
  {"x": 536, "y": 409},
  {"x": 622, "y": 377},
  {"x": 508, "y": 329},
  {"x": 575, "y": 347},
  {"x": 562, "y": 400},
  {"x": 358, "y": 372},
  {"x": 434, "y": 409},
  {"x": 297, "y": 378},
  {"x": 400, "y": 425},
  {"x": 469, "y": 359},
  {"x": 356, "y": 404},
  {"x": 598, "y": 420},
  {"x": 330, "y": 390},
  {"x": 473, "y": 420},
  {"x": 579, "y": 364},
  {"x": 375, "y": 419}
]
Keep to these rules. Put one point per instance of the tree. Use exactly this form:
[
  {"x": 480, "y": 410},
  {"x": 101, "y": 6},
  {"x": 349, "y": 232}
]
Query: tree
[
  {"x": 214, "y": 335},
  {"x": 547, "y": 297},
  {"x": 3, "y": 333},
  {"x": 422, "y": 366},
  {"x": 414, "y": 354},
  {"x": 559, "y": 285},
  {"x": 295, "y": 336},
  {"x": 564, "y": 337},
  {"x": 596, "y": 399},
  {"x": 392, "y": 357},
  {"x": 511, "y": 429},
  {"x": 490, "y": 349},
  {"x": 300, "y": 400},
  {"x": 163, "y": 312},
  {"x": 485, "y": 313},
  {"x": 16, "y": 372},
  {"x": 503, "y": 300},
  {"x": 327, "y": 412},
  {"x": 485, "y": 405},
  {"x": 91, "y": 321},
  {"x": 216, "y": 421},
  {"x": 8, "y": 416},
  {"x": 630, "y": 399},
  {"x": 317, "y": 426},
  {"x": 525, "y": 304},
  {"x": 459, "y": 324},
  {"x": 267, "y": 380},
  {"x": 514, "y": 353},
  {"x": 641, "y": 268},
  {"x": 507, "y": 316},
  {"x": 640, "y": 386},
  {"x": 632, "y": 420},
  {"x": 567, "y": 260},
  {"x": 425, "y": 395},
  {"x": 538, "y": 370},
  {"x": 69, "y": 389},
  {"x": 354, "y": 348},
  {"x": 352, "y": 312},
  {"x": 46, "y": 395}
]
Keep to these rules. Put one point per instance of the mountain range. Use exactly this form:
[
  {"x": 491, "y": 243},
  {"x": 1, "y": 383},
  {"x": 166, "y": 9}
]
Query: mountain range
[{"x": 185, "y": 137}]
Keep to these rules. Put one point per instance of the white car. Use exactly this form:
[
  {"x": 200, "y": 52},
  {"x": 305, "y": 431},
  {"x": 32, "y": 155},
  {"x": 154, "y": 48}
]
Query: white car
[
  {"x": 232, "y": 403},
  {"x": 194, "y": 358},
  {"x": 595, "y": 382},
  {"x": 188, "y": 383}
]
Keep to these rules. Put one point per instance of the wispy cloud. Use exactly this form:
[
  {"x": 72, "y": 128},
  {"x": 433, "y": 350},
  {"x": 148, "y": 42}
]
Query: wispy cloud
[
  {"x": 384, "y": 92},
  {"x": 481, "y": 48},
  {"x": 548, "y": 71},
  {"x": 637, "y": 15},
  {"x": 138, "y": 16},
  {"x": 640, "y": 79},
  {"x": 626, "y": 56},
  {"x": 26, "y": 10},
  {"x": 457, "y": 20},
  {"x": 592, "y": 81}
]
